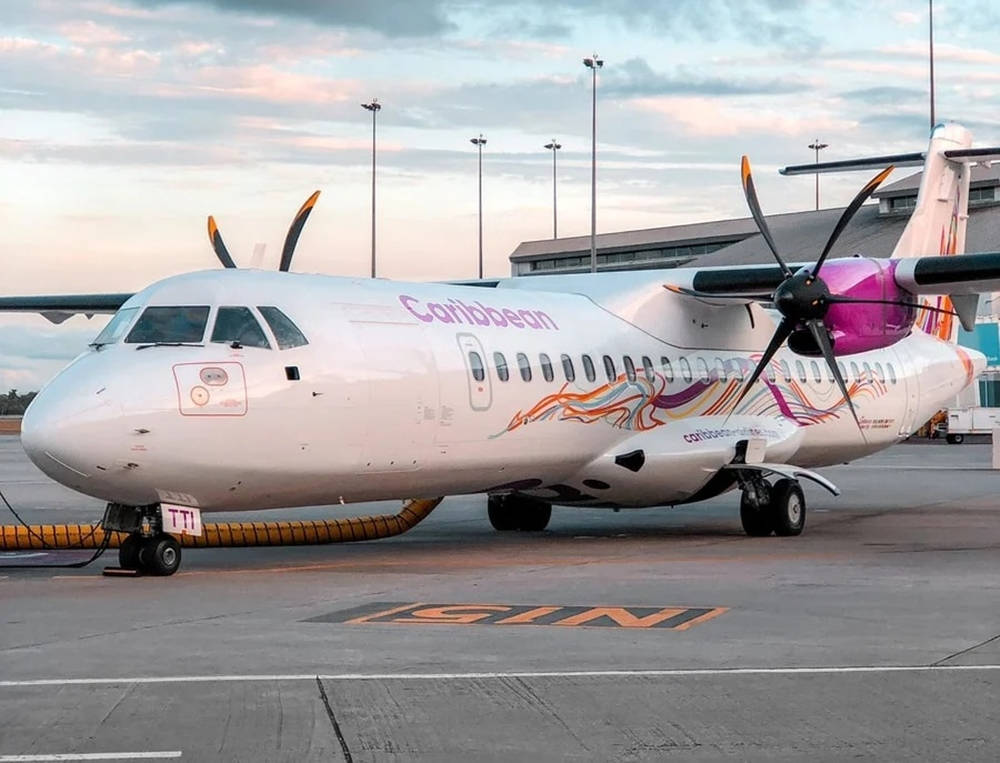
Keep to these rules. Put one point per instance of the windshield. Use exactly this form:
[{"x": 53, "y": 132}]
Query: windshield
[
  {"x": 169, "y": 324},
  {"x": 116, "y": 327},
  {"x": 237, "y": 325},
  {"x": 286, "y": 332}
]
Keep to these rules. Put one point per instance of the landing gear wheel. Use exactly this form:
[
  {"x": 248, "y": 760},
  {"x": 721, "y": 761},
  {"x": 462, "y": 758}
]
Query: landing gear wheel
[
  {"x": 535, "y": 516},
  {"x": 756, "y": 518},
  {"x": 518, "y": 512},
  {"x": 128, "y": 552},
  {"x": 502, "y": 514},
  {"x": 160, "y": 556},
  {"x": 788, "y": 508}
]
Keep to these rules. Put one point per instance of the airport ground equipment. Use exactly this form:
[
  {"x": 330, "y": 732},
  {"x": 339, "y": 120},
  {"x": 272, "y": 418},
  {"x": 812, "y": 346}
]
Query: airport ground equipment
[{"x": 159, "y": 553}]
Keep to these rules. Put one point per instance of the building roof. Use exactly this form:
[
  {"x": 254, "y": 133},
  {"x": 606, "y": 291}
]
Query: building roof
[
  {"x": 799, "y": 235},
  {"x": 982, "y": 177}
]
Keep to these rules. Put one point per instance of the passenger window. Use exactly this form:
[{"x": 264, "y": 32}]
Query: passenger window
[
  {"x": 786, "y": 373},
  {"x": 854, "y": 371},
  {"x": 116, "y": 327},
  {"x": 739, "y": 369},
  {"x": 476, "y": 364},
  {"x": 702, "y": 369},
  {"x": 668, "y": 370},
  {"x": 769, "y": 372},
  {"x": 524, "y": 365},
  {"x": 800, "y": 370},
  {"x": 588, "y": 368},
  {"x": 568, "y": 371},
  {"x": 609, "y": 369},
  {"x": 892, "y": 372},
  {"x": 546, "y": 364},
  {"x": 720, "y": 370},
  {"x": 829, "y": 374},
  {"x": 878, "y": 373},
  {"x": 170, "y": 324},
  {"x": 685, "y": 369},
  {"x": 285, "y": 332},
  {"x": 817, "y": 375},
  {"x": 629, "y": 368},
  {"x": 868, "y": 371},
  {"x": 501, "y": 364},
  {"x": 843, "y": 371},
  {"x": 647, "y": 367},
  {"x": 237, "y": 324}
]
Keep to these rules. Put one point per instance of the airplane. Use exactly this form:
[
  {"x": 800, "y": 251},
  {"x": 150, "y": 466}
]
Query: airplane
[{"x": 240, "y": 389}]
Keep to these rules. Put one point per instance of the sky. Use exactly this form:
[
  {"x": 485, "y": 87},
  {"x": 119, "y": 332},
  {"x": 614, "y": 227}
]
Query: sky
[{"x": 124, "y": 123}]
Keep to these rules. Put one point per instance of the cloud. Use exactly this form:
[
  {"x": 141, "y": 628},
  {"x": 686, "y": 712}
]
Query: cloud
[
  {"x": 635, "y": 78},
  {"x": 885, "y": 95},
  {"x": 393, "y": 18}
]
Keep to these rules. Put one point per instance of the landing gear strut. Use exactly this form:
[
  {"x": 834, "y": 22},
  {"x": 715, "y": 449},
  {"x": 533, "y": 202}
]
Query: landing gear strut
[
  {"x": 779, "y": 508},
  {"x": 518, "y": 512},
  {"x": 147, "y": 548}
]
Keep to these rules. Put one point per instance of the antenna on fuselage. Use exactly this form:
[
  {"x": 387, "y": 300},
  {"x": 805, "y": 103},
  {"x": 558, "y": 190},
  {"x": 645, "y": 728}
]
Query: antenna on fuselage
[{"x": 287, "y": 252}]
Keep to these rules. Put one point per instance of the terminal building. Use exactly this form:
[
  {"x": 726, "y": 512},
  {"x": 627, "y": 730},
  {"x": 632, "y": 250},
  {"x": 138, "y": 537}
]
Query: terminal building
[{"x": 800, "y": 237}]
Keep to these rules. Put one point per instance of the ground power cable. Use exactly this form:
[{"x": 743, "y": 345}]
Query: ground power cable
[{"x": 45, "y": 546}]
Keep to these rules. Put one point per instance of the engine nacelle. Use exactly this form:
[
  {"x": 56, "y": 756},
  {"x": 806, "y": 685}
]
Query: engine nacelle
[{"x": 861, "y": 327}]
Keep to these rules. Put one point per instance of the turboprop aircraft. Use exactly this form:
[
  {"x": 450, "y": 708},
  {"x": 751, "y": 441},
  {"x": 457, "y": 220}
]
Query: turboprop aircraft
[{"x": 238, "y": 389}]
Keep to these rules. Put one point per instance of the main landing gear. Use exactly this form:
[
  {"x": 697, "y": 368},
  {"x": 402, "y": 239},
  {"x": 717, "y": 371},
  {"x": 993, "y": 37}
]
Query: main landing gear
[
  {"x": 779, "y": 508},
  {"x": 518, "y": 512},
  {"x": 147, "y": 549}
]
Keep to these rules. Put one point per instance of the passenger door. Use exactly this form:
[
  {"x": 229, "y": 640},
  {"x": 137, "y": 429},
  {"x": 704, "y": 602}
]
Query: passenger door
[{"x": 478, "y": 376}]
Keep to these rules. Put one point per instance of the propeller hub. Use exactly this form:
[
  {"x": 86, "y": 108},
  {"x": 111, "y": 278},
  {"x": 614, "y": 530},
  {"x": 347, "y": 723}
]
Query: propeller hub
[{"x": 802, "y": 297}]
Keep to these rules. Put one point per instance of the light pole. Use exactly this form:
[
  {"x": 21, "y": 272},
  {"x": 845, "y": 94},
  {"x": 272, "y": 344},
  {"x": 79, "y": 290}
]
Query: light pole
[
  {"x": 593, "y": 63},
  {"x": 554, "y": 147},
  {"x": 930, "y": 16},
  {"x": 373, "y": 107},
  {"x": 479, "y": 143},
  {"x": 816, "y": 146}
]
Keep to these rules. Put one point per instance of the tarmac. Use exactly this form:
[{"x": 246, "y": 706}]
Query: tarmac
[{"x": 661, "y": 634}]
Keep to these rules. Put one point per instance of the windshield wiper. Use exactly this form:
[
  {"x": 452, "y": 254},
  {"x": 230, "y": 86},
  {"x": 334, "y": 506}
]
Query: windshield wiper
[
  {"x": 98, "y": 345},
  {"x": 167, "y": 344}
]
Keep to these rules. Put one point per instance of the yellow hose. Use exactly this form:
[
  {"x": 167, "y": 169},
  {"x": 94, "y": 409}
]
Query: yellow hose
[{"x": 308, "y": 532}]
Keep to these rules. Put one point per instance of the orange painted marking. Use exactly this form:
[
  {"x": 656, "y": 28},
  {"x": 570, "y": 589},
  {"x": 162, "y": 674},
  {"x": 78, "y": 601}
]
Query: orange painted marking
[
  {"x": 528, "y": 617},
  {"x": 622, "y": 617},
  {"x": 701, "y": 618},
  {"x": 374, "y": 615},
  {"x": 462, "y": 614}
]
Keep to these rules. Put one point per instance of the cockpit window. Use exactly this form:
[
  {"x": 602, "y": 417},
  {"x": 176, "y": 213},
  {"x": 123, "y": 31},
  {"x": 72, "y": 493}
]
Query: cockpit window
[
  {"x": 237, "y": 324},
  {"x": 169, "y": 324},
  {"x": 286, "y": 332},
  {"x": 116, "y": 327}
]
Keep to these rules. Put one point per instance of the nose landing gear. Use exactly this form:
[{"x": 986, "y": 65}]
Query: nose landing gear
[
  {"x": 779, "y": 508},
  {"x": 147, "y": 549}
]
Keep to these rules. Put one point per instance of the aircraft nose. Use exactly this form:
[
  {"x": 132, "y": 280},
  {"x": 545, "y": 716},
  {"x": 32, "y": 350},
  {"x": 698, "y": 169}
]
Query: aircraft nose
[{"x": 62, "y": 432}]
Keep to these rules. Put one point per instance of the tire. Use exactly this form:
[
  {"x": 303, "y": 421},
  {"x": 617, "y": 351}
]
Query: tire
[
  {"x": 160, "y": 556},
  {"x": 756, "y": 519},
  {"x": 788, "y": 508},
  {"x": 128, "y": 553},
  {"x": 502, "y": 513},
  {"x": 534, "y": 516},
  {"x": 955, "y": 439}
]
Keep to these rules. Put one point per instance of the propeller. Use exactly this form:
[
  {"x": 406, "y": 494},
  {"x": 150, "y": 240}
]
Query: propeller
[
  {"x": 802, "y": 298},
  {"x": 287, "y": 252}
]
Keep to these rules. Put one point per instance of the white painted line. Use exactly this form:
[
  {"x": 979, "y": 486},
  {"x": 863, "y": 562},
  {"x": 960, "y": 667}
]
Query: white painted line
[
  {"x": 91, "y": 756},
  {"x": 652, "y": 673}
]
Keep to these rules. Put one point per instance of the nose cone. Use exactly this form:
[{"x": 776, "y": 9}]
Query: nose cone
[{"x": 70, "y": 430}]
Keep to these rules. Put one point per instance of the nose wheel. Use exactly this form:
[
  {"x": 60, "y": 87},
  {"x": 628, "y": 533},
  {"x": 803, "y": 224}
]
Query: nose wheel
[
  {"x": 779, "y": 508},
  {"x": 159, "y": 555}
]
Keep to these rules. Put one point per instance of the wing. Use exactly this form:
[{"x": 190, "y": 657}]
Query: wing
[{"x": 60, "y": 307}]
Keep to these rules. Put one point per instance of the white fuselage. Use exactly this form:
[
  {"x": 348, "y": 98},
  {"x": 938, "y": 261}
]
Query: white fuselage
[{"x": 387, "y": 399}]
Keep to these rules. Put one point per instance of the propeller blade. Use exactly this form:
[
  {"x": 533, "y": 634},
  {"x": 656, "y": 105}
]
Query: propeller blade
[
  {"x": 758, "y": 216},
  {"x": 849, "y": 212},
  {"x": 840, "y": 300},
  {"x": 782, "y": 333},
  {"x": 819, "y": 332},
  {"x": 294, "y": 230},
  {"x": 217, "y": 244}
]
